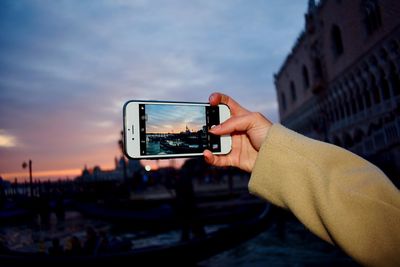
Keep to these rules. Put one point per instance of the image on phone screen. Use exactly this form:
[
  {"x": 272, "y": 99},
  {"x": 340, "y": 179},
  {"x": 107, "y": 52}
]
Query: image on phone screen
[{"x": 177, "y": 129}]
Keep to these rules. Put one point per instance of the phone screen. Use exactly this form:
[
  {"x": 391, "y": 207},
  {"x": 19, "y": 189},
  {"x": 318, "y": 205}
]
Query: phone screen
[{"x": 177, "y": 129}]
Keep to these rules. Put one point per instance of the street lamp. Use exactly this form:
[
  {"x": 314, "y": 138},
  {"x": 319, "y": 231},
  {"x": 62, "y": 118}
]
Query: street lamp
[
  {"x": 24, "y": 165},
  {"x": 121, "y": 145}
]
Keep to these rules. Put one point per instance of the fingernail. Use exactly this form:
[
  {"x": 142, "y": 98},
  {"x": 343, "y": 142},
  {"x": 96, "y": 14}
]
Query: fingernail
[
  {"x": 215, "y": 127},
  {"x": 211, "y": 98}
]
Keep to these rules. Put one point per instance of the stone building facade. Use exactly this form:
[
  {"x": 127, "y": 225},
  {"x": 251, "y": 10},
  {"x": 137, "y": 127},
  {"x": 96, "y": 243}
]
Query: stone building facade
[{"x": 341, "y": 81}]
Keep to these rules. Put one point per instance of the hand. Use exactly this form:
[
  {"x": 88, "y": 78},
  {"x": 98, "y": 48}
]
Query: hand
[{"x": 247, "y": 129}]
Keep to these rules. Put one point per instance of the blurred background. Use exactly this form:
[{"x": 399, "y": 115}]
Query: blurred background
[{"x": 328, "y": 69}]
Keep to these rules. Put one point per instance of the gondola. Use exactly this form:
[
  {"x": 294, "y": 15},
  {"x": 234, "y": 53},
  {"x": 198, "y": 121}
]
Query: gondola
[
  {"x": 175, "y": 254},
  {"x": 179, "y": 146},
  {"x": 164, "y": 217},
  {"x": 15, "y": 215}
]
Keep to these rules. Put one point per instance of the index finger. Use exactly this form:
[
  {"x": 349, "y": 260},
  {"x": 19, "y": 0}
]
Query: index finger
[{"x": 219, "y": 98}]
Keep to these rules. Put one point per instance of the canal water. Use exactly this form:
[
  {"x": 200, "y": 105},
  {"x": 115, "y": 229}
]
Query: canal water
[
  {"x": 153, "y": 147},
  {"x": 291, "y": 245},
  {"x": 37, "y": 237}
]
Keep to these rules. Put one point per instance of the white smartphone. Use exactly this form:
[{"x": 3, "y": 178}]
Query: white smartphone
[{"x": 156, "y": 129}]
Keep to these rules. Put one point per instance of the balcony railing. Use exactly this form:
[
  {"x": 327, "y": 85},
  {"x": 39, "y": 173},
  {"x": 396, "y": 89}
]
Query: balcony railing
[
  {"x": 380, "y": 139},
  {"x": 367, "y": 114}
]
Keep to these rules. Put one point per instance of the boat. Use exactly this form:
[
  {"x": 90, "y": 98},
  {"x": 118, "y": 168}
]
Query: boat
[
  {"x": 11, "y": 213},
  {"x": 178, "y": 146},
  {"x": 178, "y": 253},
  {"x": 15, "y": 215},
  {"x": 163, "y": 216}
]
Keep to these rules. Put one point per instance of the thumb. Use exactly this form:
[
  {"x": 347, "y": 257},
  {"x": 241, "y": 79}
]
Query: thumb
[{"x": 215, "y": 160}]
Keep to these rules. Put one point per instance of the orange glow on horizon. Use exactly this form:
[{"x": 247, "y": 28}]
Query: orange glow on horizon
[
  {"x": 54, "y": 175},
  {"x": 51, "y": 175},
  {"x": 174, "y": 129}
]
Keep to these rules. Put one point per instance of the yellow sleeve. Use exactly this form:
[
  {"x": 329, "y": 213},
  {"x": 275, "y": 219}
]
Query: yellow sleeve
[{"x": 339, "y": 196}]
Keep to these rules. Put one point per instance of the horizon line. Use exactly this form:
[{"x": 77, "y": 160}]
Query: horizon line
[{"x": 42, "y": 174}]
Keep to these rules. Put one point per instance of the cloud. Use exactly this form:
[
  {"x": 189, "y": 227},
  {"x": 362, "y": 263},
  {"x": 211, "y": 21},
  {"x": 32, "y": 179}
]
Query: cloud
[
  {"x": 7, "y": 140},
  {"x": 172, "y": 118},
  {"x": 67, "y": 67}
]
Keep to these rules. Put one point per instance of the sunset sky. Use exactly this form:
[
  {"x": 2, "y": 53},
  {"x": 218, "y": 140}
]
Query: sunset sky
[
  {"x": 174, "y": 119},
  {"x": 67, "y": 67}
]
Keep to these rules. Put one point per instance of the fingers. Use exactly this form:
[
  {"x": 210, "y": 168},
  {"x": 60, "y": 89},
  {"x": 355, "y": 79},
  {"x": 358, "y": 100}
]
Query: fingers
[
  {"x": 235, "y": 124},
  {"x": 219, "y": 98}
]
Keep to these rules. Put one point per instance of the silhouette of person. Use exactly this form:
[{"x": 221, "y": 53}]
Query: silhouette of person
[
  {"x": 43, "y": 208},
  {"x": 73, "y": 246},
  {"x": 186, "y": 202},
  {"x": 2, "y": 194},
  {"x": 56, "y": 249},
  {"x": 4, "y": 249},
  {"x": 103, "y": 242},
  {"x": 59, "y": 206},
  {"x": 90, "y": 244}
]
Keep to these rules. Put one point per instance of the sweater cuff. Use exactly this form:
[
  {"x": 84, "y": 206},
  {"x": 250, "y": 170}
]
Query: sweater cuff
[{"x": 277, "y": 163}]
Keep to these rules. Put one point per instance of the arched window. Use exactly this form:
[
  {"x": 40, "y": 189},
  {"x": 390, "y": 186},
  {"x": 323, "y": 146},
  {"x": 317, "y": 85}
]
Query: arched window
[
  {"x": 367, "y": 99},
  {"x": 353, "y": 105},
  {"x": 317, "y": 68},
  {"x": 329, "y": 111},
  {"x": 336, "y": 113},
  {"x": 306, "y": 79},
  {"x": 347, "y": 107},
  {"x": 283, "y": 101},
  {"x": 375, "y": 90},
  {"x": 371, "y": 15},
  {"x": 384, "y": 85},
  {"x": 293, "y": 91},
  {"x": 394, "y": 79},
  {"x": 336, "y": 39},
  {"x": 329, "y": 115},
  {"x": 394, "y": 47},
  {"x": 342, "y": 108},
  {"x": 383, "y": 54},
  {"x": 360, "y": 101}
]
